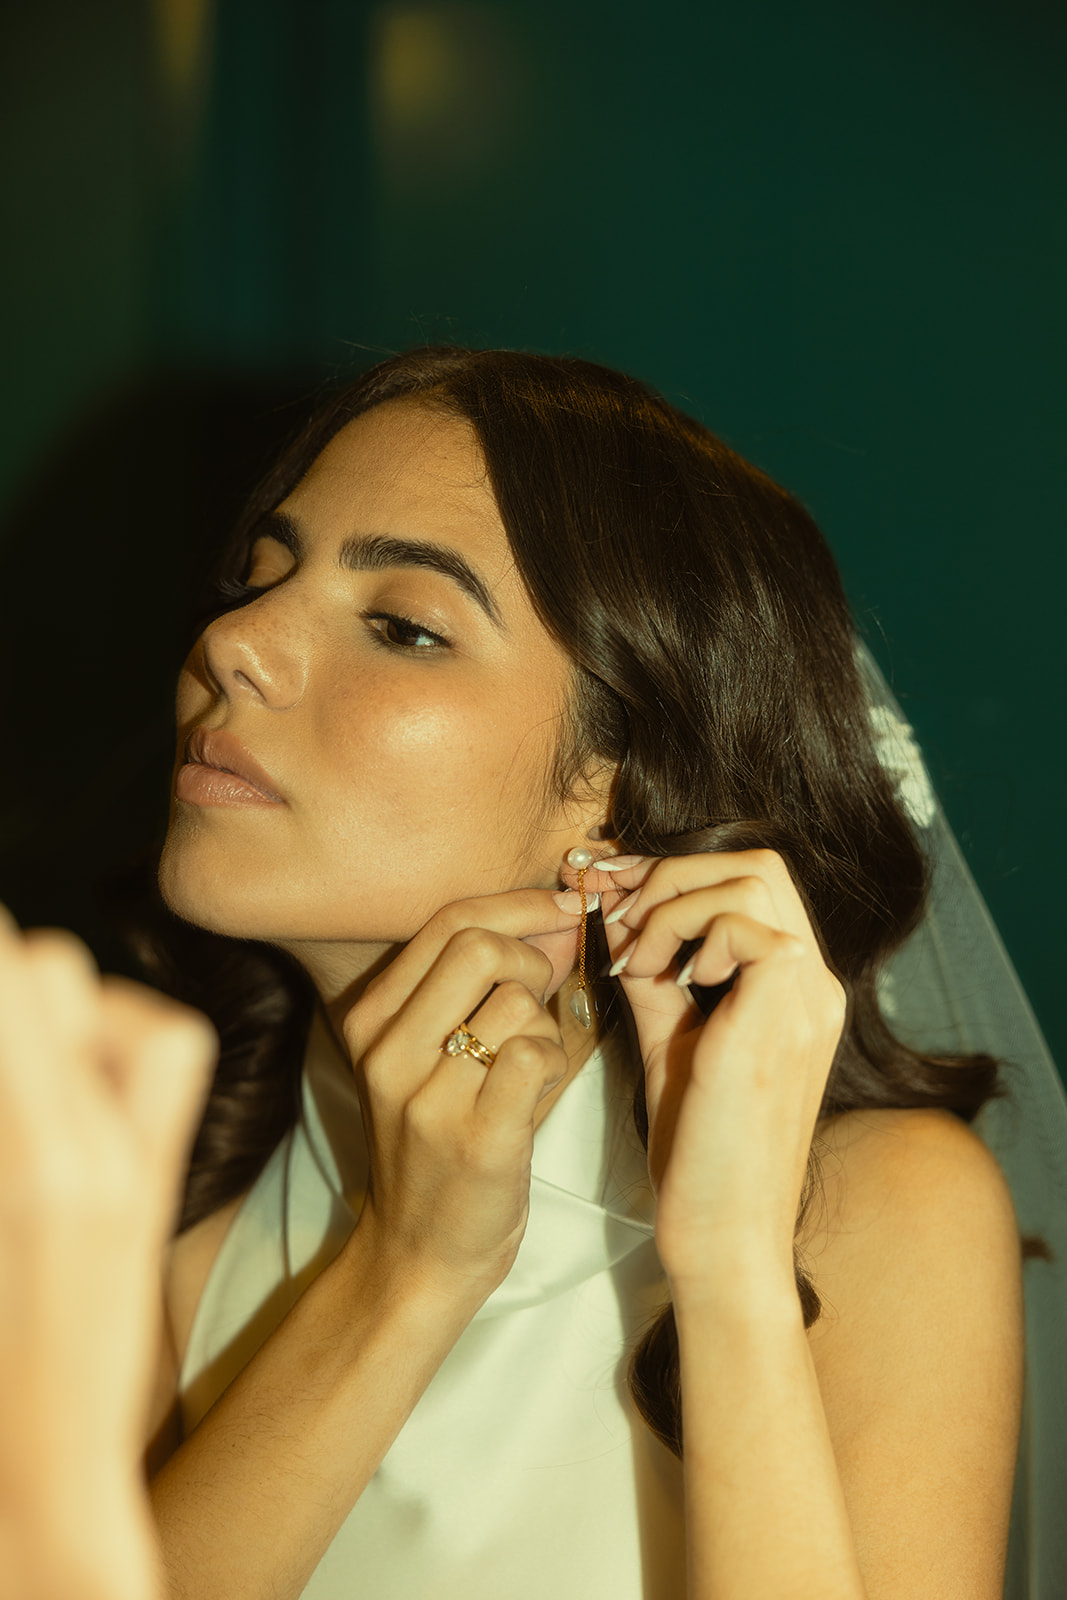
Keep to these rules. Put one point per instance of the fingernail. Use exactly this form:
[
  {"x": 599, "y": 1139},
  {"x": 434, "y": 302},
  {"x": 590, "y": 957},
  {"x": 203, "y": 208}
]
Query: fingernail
[
  {"x": 619, "y": 966},
  {"x": 571, "y": 900},
  {"x": 622, "y": 907},
  {"x": 685, "y": 977},
  {"x": 616, "y": 863}
]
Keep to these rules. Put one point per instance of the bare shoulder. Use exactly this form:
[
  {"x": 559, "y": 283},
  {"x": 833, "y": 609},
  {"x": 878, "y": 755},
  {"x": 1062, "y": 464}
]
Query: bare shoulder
[
  {"x": 880, "y": 1168},
  {"x": 911, "y": 1202},
  {"x": 914, "y": 1250}
]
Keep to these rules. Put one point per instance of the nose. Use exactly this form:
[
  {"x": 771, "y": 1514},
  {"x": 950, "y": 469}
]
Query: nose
[{"x": 257, "y": 651}]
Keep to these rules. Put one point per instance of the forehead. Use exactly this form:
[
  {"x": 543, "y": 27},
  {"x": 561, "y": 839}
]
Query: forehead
[{"x": 406, "y": 469}]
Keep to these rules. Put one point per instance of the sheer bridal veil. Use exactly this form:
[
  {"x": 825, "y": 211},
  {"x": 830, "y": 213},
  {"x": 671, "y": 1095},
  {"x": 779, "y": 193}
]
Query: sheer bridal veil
[{"x": 952, "y": 988}]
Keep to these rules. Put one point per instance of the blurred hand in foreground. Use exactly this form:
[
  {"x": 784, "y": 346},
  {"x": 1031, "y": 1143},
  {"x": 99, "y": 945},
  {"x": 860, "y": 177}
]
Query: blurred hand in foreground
[{"x": 102, "y": 1082}]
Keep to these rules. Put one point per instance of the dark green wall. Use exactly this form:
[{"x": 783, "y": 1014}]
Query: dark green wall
[{"x": 835, "y": 232}]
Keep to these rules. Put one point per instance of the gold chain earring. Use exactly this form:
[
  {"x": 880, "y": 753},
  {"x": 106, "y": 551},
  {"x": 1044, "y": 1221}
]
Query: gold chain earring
[{"x": 581, "y": 1004}]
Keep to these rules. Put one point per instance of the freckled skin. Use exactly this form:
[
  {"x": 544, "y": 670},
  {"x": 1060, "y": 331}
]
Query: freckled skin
[{"x": 414, "y": 775}]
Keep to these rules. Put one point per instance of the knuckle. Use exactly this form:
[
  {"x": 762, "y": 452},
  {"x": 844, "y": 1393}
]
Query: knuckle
[
  {"x": 61, "y": 950},
  {"x": 418, "y": 1117},
  {"x": 663, "y": 869},
  {"x": 476, "y": 948},
  {"x": 767, "y": 862},
  {"x": 753, "y": 889},
  {"x": 153, "y": 1013},
  {"x": 517, "y": 1005},
  {"x": 375, "y": 1067},
  {"x": 184, "y": 1017},
  {"x": 448, "y": 920},
  {"x": 525, "y": 1055},
  {"x": 187, "y": 1037},
  {"x": 443, "y": 924}
]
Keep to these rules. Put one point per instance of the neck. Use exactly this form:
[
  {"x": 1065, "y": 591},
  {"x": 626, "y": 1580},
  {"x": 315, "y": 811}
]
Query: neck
[{"x": 578, "y": 1042}]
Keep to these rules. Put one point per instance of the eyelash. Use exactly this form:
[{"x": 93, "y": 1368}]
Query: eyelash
[
  {"x": 232, "y": 592},
  {"x": 408, "y": 625}
]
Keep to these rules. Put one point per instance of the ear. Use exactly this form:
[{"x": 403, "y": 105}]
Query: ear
[{"x": 588, "y": 811}]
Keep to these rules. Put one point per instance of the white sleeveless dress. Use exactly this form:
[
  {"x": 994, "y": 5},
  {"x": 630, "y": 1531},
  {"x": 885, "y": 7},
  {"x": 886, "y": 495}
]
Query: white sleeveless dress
[{"x": 524, "y": 1470}]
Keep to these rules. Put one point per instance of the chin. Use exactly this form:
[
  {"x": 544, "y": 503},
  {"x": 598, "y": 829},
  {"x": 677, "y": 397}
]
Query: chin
[
  {"x": 210, "y": 892},
  {"x": 196, "y": 903},
  {"x": 203, "y": 893}
]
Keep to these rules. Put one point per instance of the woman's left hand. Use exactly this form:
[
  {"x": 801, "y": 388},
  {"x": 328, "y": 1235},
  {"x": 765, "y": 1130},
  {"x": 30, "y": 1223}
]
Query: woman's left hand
[{"x": 732, "y": 1099}]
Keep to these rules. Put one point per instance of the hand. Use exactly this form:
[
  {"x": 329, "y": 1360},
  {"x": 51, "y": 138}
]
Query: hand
[
  {"x": 101, "y": 1082},
  {"x": 732, "y": 1100},
  {"x": 451, "y": 1141}
]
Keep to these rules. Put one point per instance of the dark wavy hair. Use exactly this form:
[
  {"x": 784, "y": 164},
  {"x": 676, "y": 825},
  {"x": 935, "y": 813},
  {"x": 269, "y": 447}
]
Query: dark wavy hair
[{"x": 714, "y": 666}]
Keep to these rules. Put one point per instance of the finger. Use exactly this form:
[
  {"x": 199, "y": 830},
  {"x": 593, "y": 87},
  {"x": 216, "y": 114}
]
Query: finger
[
  {"x": 734, "y": 941},
  {"x": 681, "y": 875},
  {"x": 562, "y": 948},
  {"x": 662, "y": 929},
  {"x": 527, "y": 1067},
  {"x": 606, "y": 882},
  {"x": 618, "y": 864},
  {"x": 471, "y": 965},
  {"x": 512, "y": 1009},
  {"x": 516, "y": 914},
  {"x": 511, "y": 1012},
  {"x": 462, "y": 975},
  {"x": 661, "y": 1007},
  {"x": 612, "y": 874}
]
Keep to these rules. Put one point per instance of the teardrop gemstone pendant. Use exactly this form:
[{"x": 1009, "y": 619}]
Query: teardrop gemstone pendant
[{"x": 580, "y": 1008}]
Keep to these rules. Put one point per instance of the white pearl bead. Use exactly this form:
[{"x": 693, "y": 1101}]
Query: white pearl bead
[{"x": 579, "y": 857}]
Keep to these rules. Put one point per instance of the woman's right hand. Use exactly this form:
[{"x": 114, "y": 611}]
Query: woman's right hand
[{"x": 450, "y": 1140}]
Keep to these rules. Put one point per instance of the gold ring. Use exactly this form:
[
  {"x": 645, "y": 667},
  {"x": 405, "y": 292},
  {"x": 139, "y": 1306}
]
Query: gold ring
[{"x": 462, "y": 1042}]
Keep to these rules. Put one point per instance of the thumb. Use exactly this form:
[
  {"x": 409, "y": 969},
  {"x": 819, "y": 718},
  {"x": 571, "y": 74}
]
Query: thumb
[{"x": 562, "y": 948}]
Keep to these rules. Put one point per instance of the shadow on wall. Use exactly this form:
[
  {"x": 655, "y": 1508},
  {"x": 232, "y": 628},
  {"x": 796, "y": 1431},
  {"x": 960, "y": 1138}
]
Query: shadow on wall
[{"x": 104, "y": 552}]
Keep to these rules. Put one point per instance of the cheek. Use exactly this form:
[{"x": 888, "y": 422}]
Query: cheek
[
  {"x": 439, "y": 737},
  {"x": 449, "y": 769}
]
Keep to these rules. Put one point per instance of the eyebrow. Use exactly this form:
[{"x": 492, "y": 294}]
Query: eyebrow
[{"x": 378, "y": 552}]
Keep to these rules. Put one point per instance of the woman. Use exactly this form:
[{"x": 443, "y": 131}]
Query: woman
[{"x": 503, "y": 634}]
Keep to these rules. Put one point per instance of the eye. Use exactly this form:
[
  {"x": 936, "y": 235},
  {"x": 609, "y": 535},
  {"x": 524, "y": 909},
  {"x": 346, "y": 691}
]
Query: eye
[{"x": 402, "y": 633}]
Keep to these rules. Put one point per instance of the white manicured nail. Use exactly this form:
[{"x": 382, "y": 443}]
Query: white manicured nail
[
  {"x": 622, "y": 907},
  {"x": 616, "y": 863},
  {"x": 685, "y": 977},
  {"x": 619, "y": 966},
  {"x": 570, "y": 900}
]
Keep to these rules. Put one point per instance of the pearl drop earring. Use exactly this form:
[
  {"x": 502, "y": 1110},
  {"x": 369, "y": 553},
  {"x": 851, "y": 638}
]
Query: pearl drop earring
[{"x": 581, "y": 860}]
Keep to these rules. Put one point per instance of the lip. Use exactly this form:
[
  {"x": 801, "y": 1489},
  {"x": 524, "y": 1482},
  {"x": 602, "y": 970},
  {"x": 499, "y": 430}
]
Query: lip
[{"x": 222, "y": 751}]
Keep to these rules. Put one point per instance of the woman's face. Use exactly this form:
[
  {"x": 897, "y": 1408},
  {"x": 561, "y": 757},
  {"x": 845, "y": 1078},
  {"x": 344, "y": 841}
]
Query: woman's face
[{"x": 397, "y": 688}]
